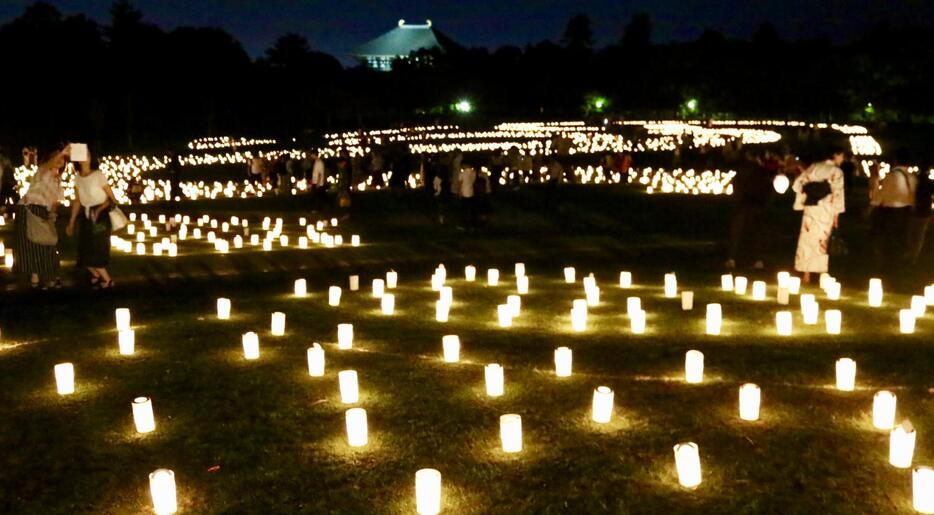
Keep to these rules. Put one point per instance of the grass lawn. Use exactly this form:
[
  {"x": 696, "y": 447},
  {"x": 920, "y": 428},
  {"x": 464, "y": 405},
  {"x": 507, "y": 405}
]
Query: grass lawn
[{"x": 264, "y": 437}]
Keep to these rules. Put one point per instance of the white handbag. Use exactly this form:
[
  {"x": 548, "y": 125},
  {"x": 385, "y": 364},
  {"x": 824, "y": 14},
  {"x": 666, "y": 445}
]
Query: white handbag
[{"x": 118, "y": 220}]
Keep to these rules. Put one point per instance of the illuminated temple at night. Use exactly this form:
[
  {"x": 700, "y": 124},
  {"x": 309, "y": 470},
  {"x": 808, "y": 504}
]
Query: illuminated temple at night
[{"x": 399, "y": 43}]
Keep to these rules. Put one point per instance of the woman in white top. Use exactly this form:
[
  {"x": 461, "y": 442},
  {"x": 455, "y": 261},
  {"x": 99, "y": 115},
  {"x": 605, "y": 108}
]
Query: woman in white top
[
  {"x": 820, "y": 214},
  {"x": 91, "y": 212},
  {"x": 36, "y": 260}
]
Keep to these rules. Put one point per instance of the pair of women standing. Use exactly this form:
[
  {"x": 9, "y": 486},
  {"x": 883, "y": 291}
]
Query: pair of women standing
[{"x": 36, "y": 236}]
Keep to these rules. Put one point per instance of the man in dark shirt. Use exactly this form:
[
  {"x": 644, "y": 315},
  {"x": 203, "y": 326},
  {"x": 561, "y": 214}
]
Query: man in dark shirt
[{"x": 752, "y": 190}]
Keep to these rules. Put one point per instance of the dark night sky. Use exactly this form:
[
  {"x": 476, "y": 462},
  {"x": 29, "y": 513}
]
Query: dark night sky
[{"x": 337, "y": 26}]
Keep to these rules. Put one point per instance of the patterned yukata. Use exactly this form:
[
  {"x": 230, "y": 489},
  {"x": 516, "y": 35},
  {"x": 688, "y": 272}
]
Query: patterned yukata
[{"x": 817, "y": 221}]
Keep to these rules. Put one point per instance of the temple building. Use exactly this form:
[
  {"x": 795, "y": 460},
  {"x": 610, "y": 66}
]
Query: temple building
[{"x": 399, "y": 43}]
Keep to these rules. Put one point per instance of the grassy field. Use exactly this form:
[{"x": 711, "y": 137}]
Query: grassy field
[{"x": 263, "y": 436}]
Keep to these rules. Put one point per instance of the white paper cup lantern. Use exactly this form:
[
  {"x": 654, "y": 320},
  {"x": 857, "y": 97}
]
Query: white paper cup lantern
[
  {"x": 589, "y": 282},
  {"x": 162, "y": 489},
  {"x": 493, "y": 376},
  {"x": 633, "y": 304},
  {"x": 749, "y": 402},
  {"x": 794, "y": 285},
  {"x": 929, "y": 295},
  {"x": 127, "y": 342},
  {"x": 625, "y": 279},
  {"x": 833, "y": 320},
  {"x": 515, "y": 304},
  {"x": 354, "y": 240},
  {"x": 883, "y": 410},
  {"x": 810, "y": 312},
  {"x": 783, "y": 323},
  {"x": 355, "y": 419},
  {"x": 504, "y": 313},
  {"x": 694, "y": 366},
  {"x": 875, "y": 292},
  {"x": 350, "y": 390},
  {"x": 637, "y": 322},
  {"x": 301, "y": 287},
  {"x": 739, "y": 285},
  {"x": 833, "y": 290},
  {"x": 223, "y": 309},
  {"x": 714, "y": 319},
  {"x": 492, "y": 277},
  {"x": 922, "y": 486},
  {"x": 442, "y": 310},
  {"x": 918, "y": 305},
  {"x": 602, "y": 410},
  {"x": 451, "y": 346},
  {"x": 593, "y": 296},
  {"x": 392, "y": 279},
  {"x": 344, "y": 336},
  {"x": 388, "y": 304},
  {"x": 902, "y": 445},
  {"x": 687, "y": 463},
  {"x": 578, "y": 319},
  {"x": 427, "y": 492},
  {"x": 758, "y": 290},
  {"x": 687, "y": 300},
  {"x": 726, "y": 282},
  {"x": 671, "y": 285},
  {"x": 569, "y": 275},
  {"x": 470, "y": 273},
  {"x": 846, "y": 374},
  {"x": 781, "y": 279},
  {"x": 250, "y": 345},
  {"x": 782, "y": 296},
  {"x": 510, "y": 432},
  {"x": 315, "y": 360},
  {"x": 143, "y": 418},
  {"x": 906, "y": 321},
  {"x": 334, "y": 296},
  {"x": 123, "y": 318},
  {"x": 519, "y": 269},
  {"x": 522, "y": 284},
  {"x": 563, "y": 362},
  {"x": 65, "y": 378},
  {"x": 277, "y": 324},
  {"x": 379, "y": 288},
  {"x": 446, "y": 294}
]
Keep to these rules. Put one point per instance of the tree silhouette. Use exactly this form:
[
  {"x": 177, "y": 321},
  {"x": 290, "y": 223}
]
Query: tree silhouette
[
  {"x": 578, "y": 34},
  {"x": 638, "y": 32}
]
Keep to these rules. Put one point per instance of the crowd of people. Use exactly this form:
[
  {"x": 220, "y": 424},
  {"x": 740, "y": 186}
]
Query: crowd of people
[
  {"x": 899, "y": 209},
  {"x": 460, "y": 188}
]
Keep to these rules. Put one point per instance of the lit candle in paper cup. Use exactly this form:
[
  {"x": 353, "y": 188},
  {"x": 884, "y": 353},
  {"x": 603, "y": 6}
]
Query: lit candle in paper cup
[
  {"x": 902, "y": 445},
  {"x": 906, "y": 321},
  {"x": 758, "y": 290},
  {"x": 126, "y": 340},
  {"x": 427, "y": 492},
  {"x": 344, "y": 336},
  {"x": 504, "y": 312},
  {"x": 388, "y": 304},
  {"x": 671, "y": 285},
  {"x": 633, "y": 304},
  {"x": 392, "y": 279},
  {"x": 492, "y": 277},
  {"x": 687, "y": 463},
  {"x": 922, "y": 487},
  {"x": 883, "y": 410},
  {"x": 694, "y": 366},
  {"x": 578, "y": 319},
  {"x": 846, "y": 374},
  {"x": 726, "y": 282},
  {"x": 783, "y": 323},
  {"x": 875, "y": 292},
  {"x": 470, "y": 273},
  {"x": 739, "y": 285},
  {"x": 637, "y": 322},
  {"x": 315, "y": 360},
  {"x": 354, "y": 282},
  {"x": 334, "y": 296},
  {"x": 563, "y": 362},
  {"x": 355, "y": 419},
  {"x": 522, "y": 284},
  {"x": 519, "y": 269},
  {"x": 451, "y": 347},
  {"x": 749, "y": 402},
  {"x": 510, "y": 432},
  {"x": 162, "y": 490},
  {"x": 250, "y": 342},
  {"x": 714, "y": 319},
  {"x": 379, "y": 288},
  {"x": 569, "y": 274},
  {"x": 602, "y": 409},
  {"x": 277, "y": 324},
  {"x": 493, "y": 375},
  {"x": 918, "y": 305},
  {"x": 350, "y": 389},
  {"x": 65, "y": 378},
  {"x": 301, "y": 287},
  {"x": 143, "y": 417},
  {"x": 442, "y": 310},
  {"x": 833, "y": 319},
  {"x": 687, "y": 300},
  {"x": 625, "y": 279}
]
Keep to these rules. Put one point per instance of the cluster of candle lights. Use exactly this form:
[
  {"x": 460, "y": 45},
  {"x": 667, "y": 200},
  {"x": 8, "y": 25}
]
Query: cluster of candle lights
[{"x": 686, "y": 454}]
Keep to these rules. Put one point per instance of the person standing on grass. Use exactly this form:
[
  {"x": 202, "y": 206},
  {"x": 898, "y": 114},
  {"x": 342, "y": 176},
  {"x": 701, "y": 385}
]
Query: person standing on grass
[
  {"x": 8, "y": 194},
  {"x": 921, "y": 215},
  {"x": 91, "y": 213},
  {"x": 892, "y": 199},
  {"x": 752, "y": 191},
  {"x": 819, "y": 194},
  {"x": 318, "y": 182},
  {"x": 466, "y": 180},
  {"x": 35, "y": 260},
  {"x": 175, "y": 177}
]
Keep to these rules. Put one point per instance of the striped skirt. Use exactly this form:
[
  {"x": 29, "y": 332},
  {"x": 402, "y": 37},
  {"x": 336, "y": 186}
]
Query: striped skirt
[{"x": 31, "y": 258}]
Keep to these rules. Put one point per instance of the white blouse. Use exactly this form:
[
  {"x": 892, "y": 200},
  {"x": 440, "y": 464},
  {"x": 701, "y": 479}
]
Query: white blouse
[{"x": 90, "y": 188}]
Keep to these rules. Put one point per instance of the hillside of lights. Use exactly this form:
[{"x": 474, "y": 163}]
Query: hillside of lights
[{"x": 589, "y": 142}]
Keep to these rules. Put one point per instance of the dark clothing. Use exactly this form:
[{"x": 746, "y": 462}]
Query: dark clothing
[
  {"x": 752, "y": 190},
  {"x": 94, "y": 241},
  {"x": 889, "y": 232}
]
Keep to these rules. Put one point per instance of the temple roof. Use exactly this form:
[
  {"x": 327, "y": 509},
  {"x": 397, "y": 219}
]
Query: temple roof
[{"x": 404, "y": 39}]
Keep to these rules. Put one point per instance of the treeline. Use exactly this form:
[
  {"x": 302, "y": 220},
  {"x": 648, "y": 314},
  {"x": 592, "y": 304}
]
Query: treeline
[{"x": 132, "y": 86}]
